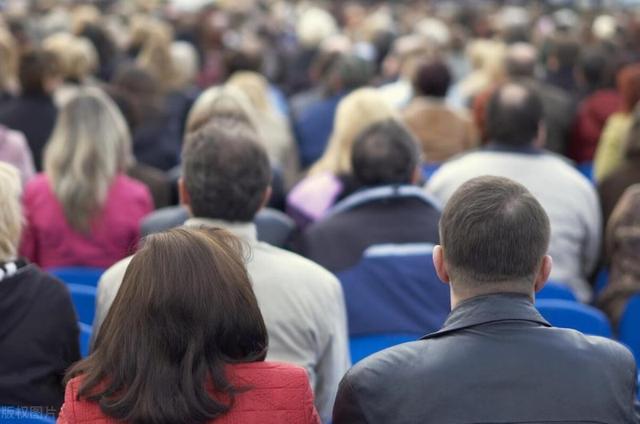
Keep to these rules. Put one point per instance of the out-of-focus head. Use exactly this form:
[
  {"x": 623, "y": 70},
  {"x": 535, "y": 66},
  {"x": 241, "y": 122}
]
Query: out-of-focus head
[
  {"x": 76, "y": 56},
  {"x": 38, "y": 72},
  {"x": 254, "y": 86},
  {"x": 8, "y": 62},
  {"x": 152, "y": 39},
  {"x": 10, "y": 212},
  {"x": 521, "y": 60},
  {"x": 89, "y": 145},
  {"x": 494, "y": 236},
  {"x": 226, "y": 100},
  {"x": 184, "y": 57},
  {"x": 347, "y": 73},
  {"x": 628, "y": 83},
  {"x": 432, "y": 79},
  {"x": 226, "y": 171},
  {"x": 563, "y": 52},
  {"x": 356, "y": 111},
  {"x": 514, "y": 115},
  {"x": 595, "y": 69},
  {"x": 314, "y": 26},
  {"x": 156, "y": 329},
  {"x": 385, "y": 153}
]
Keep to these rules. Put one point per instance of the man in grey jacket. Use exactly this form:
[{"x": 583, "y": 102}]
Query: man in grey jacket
[
  {"x": 495, "y": 360},
  {"x": 226, "y": 177}
]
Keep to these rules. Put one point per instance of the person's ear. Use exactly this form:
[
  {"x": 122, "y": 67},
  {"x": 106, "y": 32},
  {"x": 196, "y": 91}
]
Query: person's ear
[
  {"x": 183, "y": 194},
  {"x": 543, "y": 273},
  {"x": 416, "y": 177},
  {"x": 266, "y": 197},
  {"x": 440, "y": 265}
]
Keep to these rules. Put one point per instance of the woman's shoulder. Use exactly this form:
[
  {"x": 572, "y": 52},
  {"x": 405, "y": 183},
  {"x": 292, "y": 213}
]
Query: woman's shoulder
[
  {"x": 270, "y": 372},
  {"x": 125, "y": 185}
]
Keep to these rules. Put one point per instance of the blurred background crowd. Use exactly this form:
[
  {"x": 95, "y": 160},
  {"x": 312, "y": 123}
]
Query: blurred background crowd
[{"x": 97, "y": 97}]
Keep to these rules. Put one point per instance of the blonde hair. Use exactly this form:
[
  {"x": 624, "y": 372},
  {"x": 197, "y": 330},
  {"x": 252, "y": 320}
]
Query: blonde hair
[
  {"x": 10, "y": 212},
  {"x": 224, "y": 100},
  {"x": 8, "y": 62},
  {"x": 255, "y": 87},
  {"x": 357, "y": 111},
  {"x": 89, "y": 146},
  {"x": 154, "y": 38},
  {"x": 76, "y": 56}
]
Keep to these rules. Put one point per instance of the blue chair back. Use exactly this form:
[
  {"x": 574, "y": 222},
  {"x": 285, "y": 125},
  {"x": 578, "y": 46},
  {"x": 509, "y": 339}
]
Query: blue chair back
[
  {"x": 570, "y": 314},
  {"x": 23, "y": 415},
  {"x": 556, "y": 291},
  {"x": 363, "y": 346},
  {"x": 84, "y": 300},
  {"x": 586, "y": 169},
  {"x": 274, "y": 227},
  {"x": 428, "y": 169},
  {"x": 629, "y": 330},
  {"x": 78, "y": 275},
  {"x": 601, "y": 280},
  {"x": 85, "y": 338},
  {"x": 395, "y": 289}
]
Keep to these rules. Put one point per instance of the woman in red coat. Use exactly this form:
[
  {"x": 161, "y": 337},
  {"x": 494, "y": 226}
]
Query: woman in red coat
[{"x": 184, "y": 342}]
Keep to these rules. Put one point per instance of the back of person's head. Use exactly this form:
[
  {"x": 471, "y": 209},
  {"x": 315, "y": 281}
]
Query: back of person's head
[
  {"x": 162, "y": 350},
  {"x": 355, "y": 112},
  {"x": 432, "y": 79},
  {"x": 563, "y": 52},
  {"x": 494, "y": 235},
  {"x": 186, "y": 62},
  {"x": 226, "y": 171},
  {"x": 223, "y": 100},
  {"x": 255, "y": 87},
  {"x": 595, "y": 69},
  {"x": 514, "y": 114},
  {"x": 90, "y": 144},
  {"x": 76, "y": 56},
  {"x": 628, "y": 82},
  {"x": 37, "y": 69},
  {"x": 347, "y": 73},
  {"x": 521, "y": 60},
  {"x": 383, "y": 154},
  {"x": 10, "y": 212}
]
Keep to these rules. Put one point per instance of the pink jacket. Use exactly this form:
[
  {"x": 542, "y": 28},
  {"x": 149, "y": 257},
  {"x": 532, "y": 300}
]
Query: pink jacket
[
  {"x": 49, "y": 241},
  {"x": 278, "y": 394}
]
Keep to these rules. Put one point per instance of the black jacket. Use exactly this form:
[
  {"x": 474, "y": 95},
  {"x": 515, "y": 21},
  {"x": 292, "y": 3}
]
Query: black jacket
[
  {"x": 496, "y": 360},
  {"x": 371, "y": 216},
  {"x": 38, "y": 339},
  {"x": 34, "y": 116}
]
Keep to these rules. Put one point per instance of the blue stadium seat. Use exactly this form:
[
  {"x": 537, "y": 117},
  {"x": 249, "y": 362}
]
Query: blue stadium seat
[
  {"x": 23, "y": 415},
  {"x": 84, "y": 300},
  {"x": 394, "y": 289},
  {"x": 85, "y": 338},
  {"x": 363, "y": 346},
  {"x": 428, "y": 169},
  {"x": 556, "y": 291},
  {"x": 601, "y": 280},
  {"x": 78, "y": 275},
  {"x": 570, "y": 314},
  {"x": 586, "y": 169},
  {"x": 629, "y": 330}
]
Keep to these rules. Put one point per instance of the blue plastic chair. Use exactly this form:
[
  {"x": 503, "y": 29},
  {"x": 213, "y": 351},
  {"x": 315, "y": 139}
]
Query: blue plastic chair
[
  {"x": 601, "y": 280},
  {"x": 84, "y": 300},
  {"x": 556, "y": 291},
  {"x": 85, "y": 338},
  {"x": 363, "y": 346},
  {"x": 18, "y": 415},
  {"x": 629, "y": 330},
  {"x": 78, "y": 275},
  {"x": 570, "y": 314},
  {"x": 428, "y": 169},
  {"x": 394, "y": 289},
  {"x": 586, "y": 169}
]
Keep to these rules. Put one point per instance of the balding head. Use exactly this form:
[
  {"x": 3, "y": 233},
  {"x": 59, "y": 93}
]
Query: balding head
[
  {"x": 514, "y": 115},
  {"x": 521, "y": 60}
]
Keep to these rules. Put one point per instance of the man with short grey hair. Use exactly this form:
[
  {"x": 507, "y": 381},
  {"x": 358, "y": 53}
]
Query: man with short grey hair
[
  {"x": 496, "y": 359},
  {"x": 226, "y": 177}
]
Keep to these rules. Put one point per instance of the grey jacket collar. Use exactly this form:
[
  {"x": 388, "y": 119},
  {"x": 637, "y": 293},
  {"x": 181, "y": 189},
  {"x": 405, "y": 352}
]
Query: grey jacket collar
[
  {"x": 245, "y": 230},
  {"x": 490, "y": 308}
]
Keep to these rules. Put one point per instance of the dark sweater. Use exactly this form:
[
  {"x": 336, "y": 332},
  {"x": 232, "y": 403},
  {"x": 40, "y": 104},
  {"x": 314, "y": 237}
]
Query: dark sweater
[{"x": 38, "y": 339}]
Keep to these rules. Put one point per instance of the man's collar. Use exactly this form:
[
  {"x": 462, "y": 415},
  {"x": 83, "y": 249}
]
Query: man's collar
[
  {"x": 490, "y": 308},
  {"x": 245, "y": 230}
]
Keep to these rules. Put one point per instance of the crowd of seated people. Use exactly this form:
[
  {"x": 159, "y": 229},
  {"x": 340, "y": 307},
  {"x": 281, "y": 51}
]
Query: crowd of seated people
[{"x": 269, "y": 191}]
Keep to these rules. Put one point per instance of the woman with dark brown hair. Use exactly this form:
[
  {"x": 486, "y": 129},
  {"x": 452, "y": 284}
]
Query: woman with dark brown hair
[{"x": 184, "y": 342}]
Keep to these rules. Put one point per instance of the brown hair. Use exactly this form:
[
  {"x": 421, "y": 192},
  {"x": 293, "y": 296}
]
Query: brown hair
[
  {"x": 185, "y": 309},
  {"x": 493, "y": 231}
]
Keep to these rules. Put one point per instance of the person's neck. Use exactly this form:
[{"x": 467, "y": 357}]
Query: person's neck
[{"x": 460, "y": 296}]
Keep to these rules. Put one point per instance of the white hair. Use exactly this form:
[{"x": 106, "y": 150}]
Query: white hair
[
  {"x": 10, "y": 212},
  {"x": 89, "y": 146}
]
